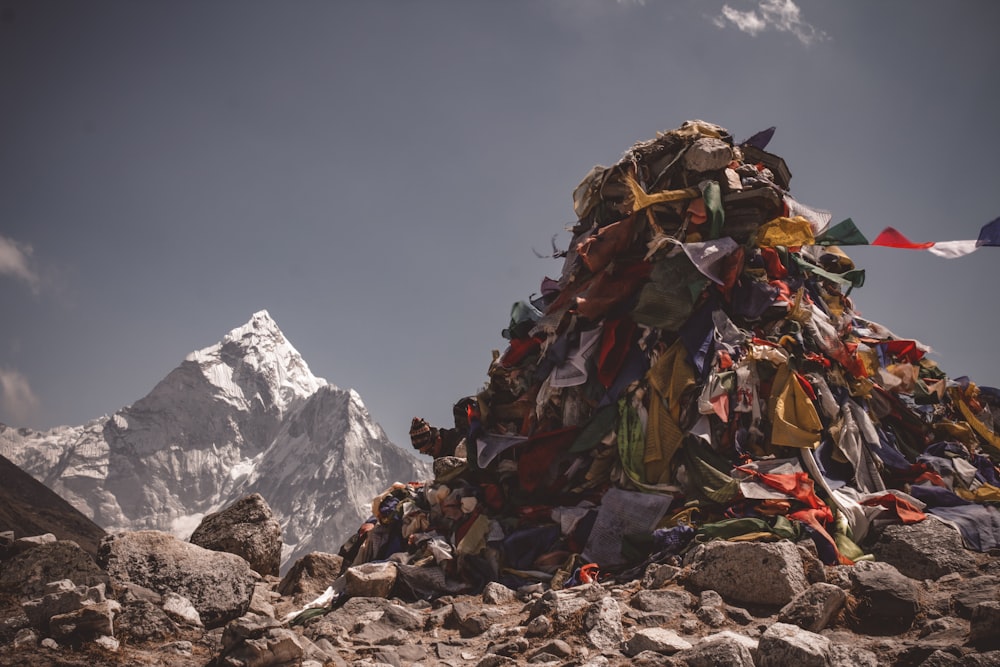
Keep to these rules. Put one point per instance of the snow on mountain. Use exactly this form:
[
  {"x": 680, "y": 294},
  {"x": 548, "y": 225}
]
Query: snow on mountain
[{"x": 243, "y": 415}]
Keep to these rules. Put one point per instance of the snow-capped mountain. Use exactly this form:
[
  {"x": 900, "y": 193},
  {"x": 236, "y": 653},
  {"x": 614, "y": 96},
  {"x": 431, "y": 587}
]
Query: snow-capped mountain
[{"x": 244, "y": 415}]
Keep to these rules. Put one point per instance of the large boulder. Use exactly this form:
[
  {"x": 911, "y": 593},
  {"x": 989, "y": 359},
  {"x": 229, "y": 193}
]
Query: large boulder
[
  {"x": 247, "y": 528},
  {"x": 29, "y": 572},
  {"x": 887, "y": 601},
  {"x": 218, "y": 584},
  {"x": 766, "y": 573},
  {"x": 929, "y": 549},
  {"x": 311, "y": 575}
]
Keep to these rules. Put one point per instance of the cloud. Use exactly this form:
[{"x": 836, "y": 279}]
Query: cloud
[
  {"x": 17, "y": 400},
  {"x": 780, "y": 15},
  {"x": 16, "y": 262}
]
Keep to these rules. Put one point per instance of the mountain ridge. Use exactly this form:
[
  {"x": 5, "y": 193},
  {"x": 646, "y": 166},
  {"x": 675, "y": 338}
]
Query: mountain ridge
[{"x": 214, "y": 429}]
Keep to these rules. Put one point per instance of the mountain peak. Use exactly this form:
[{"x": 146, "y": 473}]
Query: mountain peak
[{"x": 259, "y": 348}]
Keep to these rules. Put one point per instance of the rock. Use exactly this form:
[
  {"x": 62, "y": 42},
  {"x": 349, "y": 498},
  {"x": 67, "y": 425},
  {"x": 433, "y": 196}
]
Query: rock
[
  {"x": 603, "y": 624},
  {"x": 254, "y": 640},
  {"x": 28, "y": 573},
  {"x": 658, "y": 640},
  {"x": 887, "y": 601},
  {"x": 540, "y": 626},
  {"x": 658, "y": 575},
  {"x": 180, "y": 609},
  {"x": 557, "y": 648},
  {"x": 766, "y": 573},
  {"x": 218, "y": 584},
  {"x": 143, "y": 621},
  {"x": 783, "y": 644},
  {"x": 973, "y": 591},
  {"x": 310, "y": 576},
  {"x": 108, "y": 643},
  {"x": 84, "y": 624},
  {"x": 926, "y": 550},
  {"x": 560, "y": 606},
  {"x": 26, "y": 638},
  {"x": 472, "y": 619},
  {"x": 370, "y": 580},
  {"x": 847, "y": 655},
  {"x": 248, "y": 529},
  {"x": 62, "y": 597},
  {"x": 22, "y": 544},
  {"x": 672, "y": 602},
  {"x": 707, "y": 154},
  {"x": 725, "y": 648},
  {"x": 511, "y": 648},
  {"x": 984, "y": 628},
  {"x": 497, "y": 593},
  {"x": 260, "y": 600},
  {"x": 814, "y": 608}
]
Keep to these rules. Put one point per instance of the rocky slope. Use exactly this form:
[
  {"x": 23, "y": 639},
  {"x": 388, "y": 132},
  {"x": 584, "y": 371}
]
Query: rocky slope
[
  {"x": 243, "y": 415},
  {"x": 151, "y": 599}
]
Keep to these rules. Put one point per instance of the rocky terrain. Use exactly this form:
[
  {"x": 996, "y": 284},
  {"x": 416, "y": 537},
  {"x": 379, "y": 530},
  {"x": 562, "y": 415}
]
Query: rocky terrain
[{"x": 149, "y": 598}]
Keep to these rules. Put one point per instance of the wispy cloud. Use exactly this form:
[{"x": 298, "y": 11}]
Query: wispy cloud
[
  {"x": 17, "y": 400},
  {"x": 780, "y": 15},
  {"x": 17, "y": 262}
]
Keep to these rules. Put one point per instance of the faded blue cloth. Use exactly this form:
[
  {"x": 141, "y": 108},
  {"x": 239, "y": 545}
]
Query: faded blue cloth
[
  {"x": 672, "y": 540},
  {"x": 978, "y": 524}
]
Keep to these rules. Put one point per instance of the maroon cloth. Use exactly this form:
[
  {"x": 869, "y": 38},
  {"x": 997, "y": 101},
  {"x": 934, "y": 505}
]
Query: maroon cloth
[
  {"x": 539, "y": 453},
  {"x": 615, "y": 345},
  {"x": 609, "y": 242},
  {"x": 606, "y": 290}
]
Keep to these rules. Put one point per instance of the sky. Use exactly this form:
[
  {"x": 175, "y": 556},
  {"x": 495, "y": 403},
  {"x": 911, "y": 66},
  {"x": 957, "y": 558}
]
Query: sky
[{"x": 383, "y": 176}]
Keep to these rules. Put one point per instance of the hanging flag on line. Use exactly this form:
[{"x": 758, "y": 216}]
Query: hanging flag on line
[{"x": 989, "y": 235}]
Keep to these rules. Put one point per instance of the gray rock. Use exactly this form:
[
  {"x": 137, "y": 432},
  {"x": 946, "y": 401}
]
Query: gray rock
[
  {"x": 260, "y": 600},
  {"x": 28, "y": 573},
  {"x": 783, "y": 644},
  {"x": 143, "y": 621},
  {"x": 707, "y": 154},
  {"x": 557, "y": 648},
  {"x": 84, "y": 624},
  {"x": 310, "y": 576},
  {"x": 275, "y": 646},
  {"x": 22, "y": 544},
  {"x": 929, "y": 549},
  {"x": 846, "y": 655},
  {"x": 887, "y": 601},
  {"x": 603, "y": 624},
  {"x": 26, "y": 638},
  {"x": 560, "y": 606},
  {"x": 511, "y": 648},
  {"x": 248, "y": 529},
  {"x": 814, "y": 608},
  {"x": 218, "y": 584},
  {"x": 497, "y": 593},
  {"x": 108, "y": 643},
  {"x": 370, "y": 580},
  {"x": 766, "y": 573},
  {"x": 973, "y": 591},
  {"x": 984, "y": 627},
  {"x": 473, "y": 619},
  {"x": 672, "y": 601},
  {"x": 713, "y": 617},
  {"x": 62, "y": 597},
  {"x": 494, "y": 660},
  {"x": 658, "y": 575},
  {"x": 180, "y": 609},
  {"x": 940, "y": 658},
  {"x": 658, "y": 640},
  {"x": 654, "y": 659},
  {"x": 540, "y": 626},
  {"x": 720, "y": 649}
]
